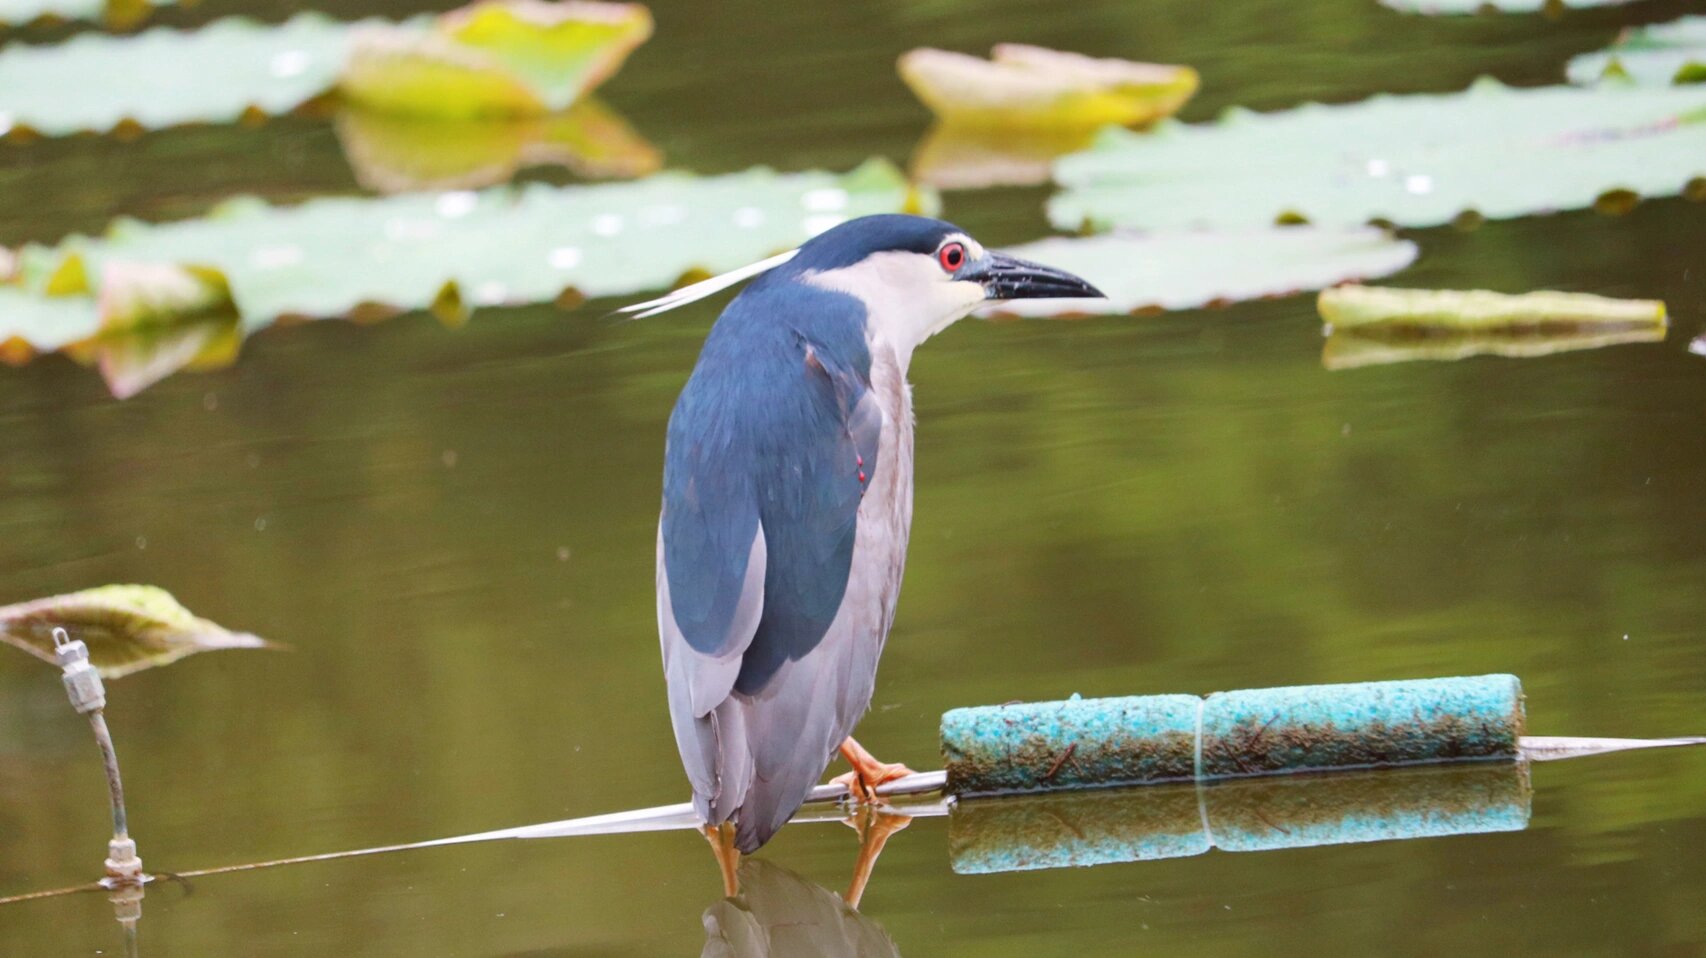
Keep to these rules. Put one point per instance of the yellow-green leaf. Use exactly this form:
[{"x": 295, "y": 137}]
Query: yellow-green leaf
[
  {"x": 128, "y": 628},
  {"x": 496, "y": 58}
]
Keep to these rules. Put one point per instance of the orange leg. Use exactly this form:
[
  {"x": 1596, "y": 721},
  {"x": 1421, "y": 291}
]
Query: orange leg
[
  {"x": 722, "y": 839},
  {"x": 867, "y": 772},
  {"x": 874, "y": 833}
]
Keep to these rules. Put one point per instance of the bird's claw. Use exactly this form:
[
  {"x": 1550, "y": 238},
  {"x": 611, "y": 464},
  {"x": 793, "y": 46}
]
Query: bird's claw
[{"x": 861, "y": 783}]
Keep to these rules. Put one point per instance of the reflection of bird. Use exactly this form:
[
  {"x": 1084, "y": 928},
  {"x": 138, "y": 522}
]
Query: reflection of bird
[
  {"x": 778, "y": 914},
  {"x": 787, "y": 503}
]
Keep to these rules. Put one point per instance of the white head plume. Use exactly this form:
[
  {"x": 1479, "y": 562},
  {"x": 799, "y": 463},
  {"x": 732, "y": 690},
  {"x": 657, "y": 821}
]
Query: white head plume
[{"x": 698, "y": 291}]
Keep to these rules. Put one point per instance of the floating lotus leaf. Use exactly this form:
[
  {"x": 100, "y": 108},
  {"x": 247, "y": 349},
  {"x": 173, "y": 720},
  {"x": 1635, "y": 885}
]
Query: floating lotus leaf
[
  {"x": 117, "y": 13},
  {"x": 127, "y": 628},
  {"x": 1464, "y": 7},
  {"x": 396, "y": 154},
  {"x": 1350, "y": 307},
  {"x": 1665, "y": 53},
  {"x": 1184, "y": 270},
  {"x": 164, "y": 77},
  {"x": 1031, "y": 86},
  {"x": 32, "y": 323},
  {"x": 1409, "y": 160},
  {"x": 496, "y": 58},
  {"x": 450, "y": 251}
]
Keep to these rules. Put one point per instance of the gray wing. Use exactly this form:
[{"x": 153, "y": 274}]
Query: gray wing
[{"x": 756, "y": 555}]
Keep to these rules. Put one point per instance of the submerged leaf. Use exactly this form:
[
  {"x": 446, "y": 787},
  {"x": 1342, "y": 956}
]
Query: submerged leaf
[
  {"x": 1417, "y": 160},
  {"x": 1185, "y": 270},
  {"x": 128, "y": 628},
  {"x": 1655, "y": 55},
  {"x": 495, "y": 58},
  {"x": 1463, "y": 7},
  {"x": 454, "y": 251},
  {"x": 1032, "y": 86},
  {"x": 396, "y": 154},
  {"x": 1349, "y": 307}
]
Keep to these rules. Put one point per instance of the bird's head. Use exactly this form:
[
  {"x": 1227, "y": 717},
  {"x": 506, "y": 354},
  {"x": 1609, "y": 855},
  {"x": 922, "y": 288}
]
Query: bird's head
[{"x": 916, "y": 275}]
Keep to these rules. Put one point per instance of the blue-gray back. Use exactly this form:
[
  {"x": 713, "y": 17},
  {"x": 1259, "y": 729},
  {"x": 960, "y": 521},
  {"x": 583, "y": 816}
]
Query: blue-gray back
[{"x": 769, "y": 428}]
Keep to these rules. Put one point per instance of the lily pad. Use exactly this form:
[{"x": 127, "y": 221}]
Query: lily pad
[
  {"x": 115, "y": 13},
  {"x": 1465, "y": 7},
  {"x": 1024, "y": 85},
  {"x": 397, "y": 154},
  {"x": 494, "y": 58},
  {"x": 166, "y": 77},
  {"x": 1350, "y": 307},
  {"x": 1419, "y": 160},
  {"x": 450, "y": 251},
  {"x": 1657, "y": 55},
  {"x": 32, "y": 323},
  {"x": 1188, "y": 269},
  {"x": 128, "y": 628}
]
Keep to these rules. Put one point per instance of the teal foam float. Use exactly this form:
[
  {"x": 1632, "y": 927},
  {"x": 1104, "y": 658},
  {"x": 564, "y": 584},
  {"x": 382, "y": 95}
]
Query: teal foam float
[{"x": 1154, "y": 739}]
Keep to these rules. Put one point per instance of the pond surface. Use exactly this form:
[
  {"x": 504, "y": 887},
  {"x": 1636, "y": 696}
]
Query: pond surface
[{"x": 454, "y": 533}]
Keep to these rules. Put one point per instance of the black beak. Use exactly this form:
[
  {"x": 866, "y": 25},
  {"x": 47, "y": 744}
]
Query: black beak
[{"x": 1005, "y": 277}]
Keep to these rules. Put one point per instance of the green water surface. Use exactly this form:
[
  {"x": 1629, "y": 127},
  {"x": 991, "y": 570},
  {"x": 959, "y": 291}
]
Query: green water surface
[{"x": 454, "y": 532}]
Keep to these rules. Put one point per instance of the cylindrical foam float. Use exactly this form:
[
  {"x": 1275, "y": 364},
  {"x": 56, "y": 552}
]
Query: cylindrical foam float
[
  {"x": 1177, "y": 821},
  {"x": 1152, "y": 739}
]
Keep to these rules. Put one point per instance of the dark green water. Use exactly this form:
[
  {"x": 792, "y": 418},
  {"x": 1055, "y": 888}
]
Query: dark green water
[{"x": 454, "y": 531}]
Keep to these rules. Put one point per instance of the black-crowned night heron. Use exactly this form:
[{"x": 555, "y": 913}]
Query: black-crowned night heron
[{"x": 787, "y": 502}]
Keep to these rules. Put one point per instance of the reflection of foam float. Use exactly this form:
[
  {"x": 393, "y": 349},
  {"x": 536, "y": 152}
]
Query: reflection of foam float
[{"x": 1129, "y": 825}]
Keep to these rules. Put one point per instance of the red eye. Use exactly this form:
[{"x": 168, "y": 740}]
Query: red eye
[{"x": 952, "y": 256}]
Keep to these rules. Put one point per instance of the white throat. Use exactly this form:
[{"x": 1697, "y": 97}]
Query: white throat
[{"x": 907, "y": 298}]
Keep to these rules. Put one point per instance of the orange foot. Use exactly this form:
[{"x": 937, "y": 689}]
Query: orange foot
[{"x": 868, "y": 773}]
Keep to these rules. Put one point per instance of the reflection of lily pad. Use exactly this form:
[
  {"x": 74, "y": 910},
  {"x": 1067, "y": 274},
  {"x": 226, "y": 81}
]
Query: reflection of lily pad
[
  {"x": 128, "y": 628},
  {"x": 1353, "y": 348},
  {"x": 955, "y": 157},
  {"x": 1187, "y": 269},
  {"x": 1411, "y": 160},
  {"x": 451, "y": 251},
  {"x": 1031, "y": 86},
  {"x": 1350, "y": 307},
  {"x": 1370, "y": 326},
  {"x": 1664, "y": 53},
  {"x": 395, "y": 154}
]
